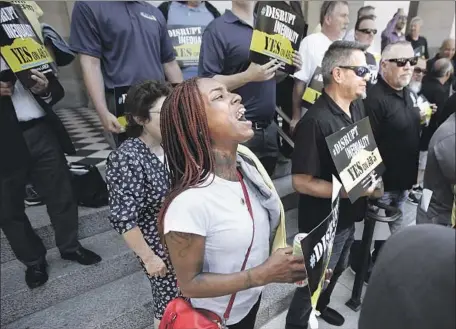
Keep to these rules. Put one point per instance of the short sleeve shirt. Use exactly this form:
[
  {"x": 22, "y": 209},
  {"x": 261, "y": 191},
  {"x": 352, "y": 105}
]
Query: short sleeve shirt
[
  {"x": 395, "y": 119},
  {"x": 312, "y": 50},
  {"x": 214, "y": 210},
  {"x": 311, "y": 157},
  {"x": 225, "y": 50},
  {"x": 129, "y": 37}
]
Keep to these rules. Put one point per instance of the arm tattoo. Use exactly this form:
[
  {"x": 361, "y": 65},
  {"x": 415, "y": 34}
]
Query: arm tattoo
[{"x": 182, "y": 240}]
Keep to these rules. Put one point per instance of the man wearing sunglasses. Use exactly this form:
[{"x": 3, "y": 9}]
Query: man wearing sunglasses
[
  {"x": 362, "y": 12},
  {"x": 345, "y": 76},
  {"x": 395, "y": 120},
  {"x": 365, "y": 31}
]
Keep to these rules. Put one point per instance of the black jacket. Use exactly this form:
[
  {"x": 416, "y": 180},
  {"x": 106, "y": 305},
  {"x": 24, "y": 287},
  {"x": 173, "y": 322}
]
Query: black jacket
[
  {"x": 437, "y": 94},
  {"x": 164, "y": 8},
  {"x": 12, "y": 143}
]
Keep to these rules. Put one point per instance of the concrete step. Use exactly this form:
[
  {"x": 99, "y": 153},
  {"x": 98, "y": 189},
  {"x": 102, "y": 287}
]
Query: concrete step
[
  {"x": 122, "y": 304},
  {"x": 127, "y": 304},
  {"x": 91, "y": 222},
  {"x": 66, "y": 279},
  {"x": 60, "y": 297}
]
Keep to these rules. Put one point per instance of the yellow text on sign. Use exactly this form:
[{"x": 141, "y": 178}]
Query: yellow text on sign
[
  {"x": 311, "y": 95},
  {"x": 276, "y": 46},
  {"x": 25, "y": 53}
]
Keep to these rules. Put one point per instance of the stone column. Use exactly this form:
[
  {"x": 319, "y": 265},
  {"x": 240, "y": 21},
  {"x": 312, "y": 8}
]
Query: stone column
[{"x": 438, "y": 18}]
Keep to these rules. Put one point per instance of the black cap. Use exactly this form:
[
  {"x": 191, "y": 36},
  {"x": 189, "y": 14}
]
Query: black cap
[{"x": 412, "y": 285}]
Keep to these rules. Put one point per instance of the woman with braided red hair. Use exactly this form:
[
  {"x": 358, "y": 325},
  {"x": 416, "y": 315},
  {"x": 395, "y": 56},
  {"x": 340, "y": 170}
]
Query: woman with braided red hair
[{"x": 220, "y": 218}]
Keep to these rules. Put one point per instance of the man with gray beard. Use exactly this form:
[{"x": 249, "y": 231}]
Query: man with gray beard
[
  {"x": 345, "y": 75},
  {"x": 419, "y": 72},
  {"x": 395, "y": 118}
]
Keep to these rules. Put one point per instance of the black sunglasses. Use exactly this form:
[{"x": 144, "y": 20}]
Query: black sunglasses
[
  {"x": 419, "y": 70},
  {"x": 401, "y": 62},
  {"x": 360, "y": 71},
  {"x": 368, "y": 31}
]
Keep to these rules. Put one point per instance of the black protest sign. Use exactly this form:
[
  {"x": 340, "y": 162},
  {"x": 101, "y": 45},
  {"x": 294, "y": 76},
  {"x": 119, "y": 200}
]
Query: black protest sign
[
  {"x": 314, "y": 89},
  {"x": 187, "y": 43},
  {"x": 120, "y": 93},
  {"x": 356, "y": 157},
  {"x": 21, "y": 48},
  {"x": 317, "y": 246},
  {"x": 277, "y": 34}
]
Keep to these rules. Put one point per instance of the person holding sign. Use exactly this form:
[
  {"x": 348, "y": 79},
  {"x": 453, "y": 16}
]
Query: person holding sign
[
  {"x": 285, "y": 82},
  {"x": 34, "y": 141},
  {"x": 223, "y": 217},
  {"x": 186, "y": 23},
  {"x": 308, "y": 81},
  {"x": 224, "y": 56},
  {"x": 120, "y": 43},
  {"x": 345, "y": 76}
]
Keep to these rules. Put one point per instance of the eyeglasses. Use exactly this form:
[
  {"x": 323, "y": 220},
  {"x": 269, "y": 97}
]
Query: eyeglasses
[
  {"x": 419, "y": 70},
  {"x": 360, "y": 71},
  {"x": 368, "y": 31},
  {"x": 401, "y": 62}
]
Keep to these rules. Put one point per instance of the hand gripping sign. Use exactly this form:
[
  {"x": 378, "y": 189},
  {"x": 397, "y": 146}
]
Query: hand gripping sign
[
  {"x": 356, "y": 157},
  {"x": 277, "y": 34},
  {"x": 316, "y": 246},
  {"x": 21, "y": 48}
]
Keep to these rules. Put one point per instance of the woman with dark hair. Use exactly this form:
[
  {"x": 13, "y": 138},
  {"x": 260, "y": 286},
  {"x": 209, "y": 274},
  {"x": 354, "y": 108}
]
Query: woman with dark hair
[
  {"x": 137, "y": 184},
  {"x": 222, "y": 214}
]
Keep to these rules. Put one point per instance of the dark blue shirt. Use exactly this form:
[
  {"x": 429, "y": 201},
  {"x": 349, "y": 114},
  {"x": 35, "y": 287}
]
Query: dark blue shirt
[
  {"x": 129, "y": 37},
  {"x": 225, "y": 51}
]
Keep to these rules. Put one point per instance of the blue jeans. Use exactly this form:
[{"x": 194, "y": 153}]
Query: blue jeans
[
  {"x": 301, "y": 307},
  {"x": 395, "y": 199}
]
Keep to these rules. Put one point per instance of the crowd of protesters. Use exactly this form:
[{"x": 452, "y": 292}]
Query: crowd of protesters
[{"x": 194, "y": 174}]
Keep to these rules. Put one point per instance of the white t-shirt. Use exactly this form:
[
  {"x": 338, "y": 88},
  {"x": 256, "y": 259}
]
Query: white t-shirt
[
  {"x": 216, "y": 212},
  {"x": 312, "y": 50}
]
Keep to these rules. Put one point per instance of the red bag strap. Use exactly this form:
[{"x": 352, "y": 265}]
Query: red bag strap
[{"x": 249, "y": 207}]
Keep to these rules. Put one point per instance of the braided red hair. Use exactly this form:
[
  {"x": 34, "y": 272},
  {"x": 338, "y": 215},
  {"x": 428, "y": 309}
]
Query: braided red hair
[{"x": 186, "y": 141}]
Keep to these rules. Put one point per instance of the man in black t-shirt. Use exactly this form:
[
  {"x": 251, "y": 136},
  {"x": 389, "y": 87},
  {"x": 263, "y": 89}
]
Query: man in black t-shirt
[
  {"x": 395, "y": 119},
  {"x": 419, "y": 43},
  {"x": 345, "y": 75}
]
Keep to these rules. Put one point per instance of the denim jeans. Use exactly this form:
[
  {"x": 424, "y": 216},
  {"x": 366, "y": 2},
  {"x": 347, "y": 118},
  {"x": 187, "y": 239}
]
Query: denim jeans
[
  {"x": 300, "y": 307},
  {"x": 395, "y": 199}
]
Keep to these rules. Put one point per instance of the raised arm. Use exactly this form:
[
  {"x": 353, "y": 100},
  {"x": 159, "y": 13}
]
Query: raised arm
[{"x": 212, "y": 61}]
